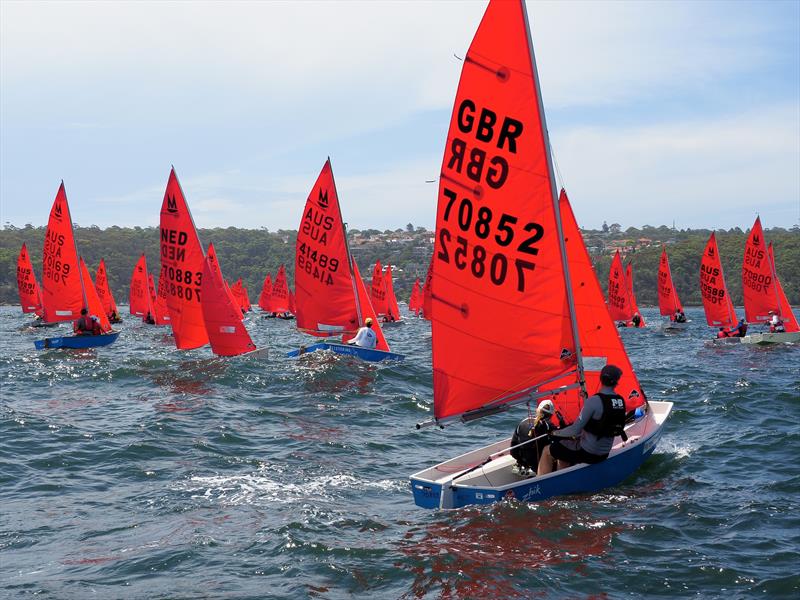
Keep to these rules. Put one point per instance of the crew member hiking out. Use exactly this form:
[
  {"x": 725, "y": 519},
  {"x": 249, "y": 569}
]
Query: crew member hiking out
[
  {"x": 602, "y": 418},
  {"x": 366, "y": 338}
]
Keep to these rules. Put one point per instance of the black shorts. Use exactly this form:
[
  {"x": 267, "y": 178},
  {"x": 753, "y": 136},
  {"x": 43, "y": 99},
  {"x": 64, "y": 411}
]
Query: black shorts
[{"x": 561, "y": 452}]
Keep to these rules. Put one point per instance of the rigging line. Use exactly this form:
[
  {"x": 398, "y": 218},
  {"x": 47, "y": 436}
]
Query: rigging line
[{"x": 559, "y": 176}]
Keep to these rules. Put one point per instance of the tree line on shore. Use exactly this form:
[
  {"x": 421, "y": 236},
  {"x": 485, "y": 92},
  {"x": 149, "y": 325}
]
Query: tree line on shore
[{"x": 252, "y": 253}]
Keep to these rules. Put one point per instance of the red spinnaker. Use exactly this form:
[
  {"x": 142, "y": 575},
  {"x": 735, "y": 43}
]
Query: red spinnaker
[
  {"x": 631, "y": 294},
  {"x": 668, "y": 301},
  {"x": 30, "y": 296},
  {"x": 223, "y": 318},
  {"x": 280, "y": 292},
  {"x": 377, "y": 290},
  {"x": 785, "y": 309},
  {"x": 264, "y": 298},
  {"x": 324, "y": 287},
  {"x": 600, "y": 341},
  {"x": 93, "y": 303},
  {"x": 500, "y": 320},
  {"x": 182, "y": 263},
  {"x": 63, "y": 294},
  {"x": 758, "y": 278},
  {"x": 392, "y": 309},
  {"x": 103, "y": 289},
  {"x": 138, "y": 296},
  {"x": 716, "y": 299},
  {"x": 619, "y": 306}
]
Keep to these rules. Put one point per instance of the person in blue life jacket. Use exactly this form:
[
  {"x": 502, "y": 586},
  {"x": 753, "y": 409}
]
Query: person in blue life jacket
[
  {"x": 740, "y": 330},
  {"x": 602, "y": 418},
  {"x": 366, "y": 337},
  {"x": 529, "y": 429}
]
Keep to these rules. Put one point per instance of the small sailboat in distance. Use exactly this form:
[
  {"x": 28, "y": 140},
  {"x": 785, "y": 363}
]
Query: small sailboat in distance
[
  {"x": 30, "y": 296},
  {"x": 632, "y": 297},
  {"x": 392, "y": 309},
  {"x": 669, "y": 305},
  {"x": 67, "y": 287},
  {"x": 415, "y": 301},
  {"x": 330, "y": 295},
  {"x": 104, "y": 292},
  {"x": 139, "y": 300},
  {"x": 717, "y": 302},
  {"x": 506, "y": 243},
  {"x": 764, "y": 299},
  {"x": 621, "y": 305}
]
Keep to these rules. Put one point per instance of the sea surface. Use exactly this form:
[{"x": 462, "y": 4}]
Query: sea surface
[{"x": 139, "y": 471}]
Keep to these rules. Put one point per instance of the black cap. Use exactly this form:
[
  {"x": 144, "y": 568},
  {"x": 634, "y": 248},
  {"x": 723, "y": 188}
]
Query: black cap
[{"x": 610, "y": 375}]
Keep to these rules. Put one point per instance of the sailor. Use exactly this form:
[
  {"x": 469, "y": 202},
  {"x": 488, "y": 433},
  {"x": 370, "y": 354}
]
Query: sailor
[
  {"x": 636, "y": 320},
  {"x": 366, "y": 337},
  {"x": 740, "y": 330},
  {"x": 602, "y": 418},
  {"x": 680, "y": 317},
  {"x": 722, "y": 333},
  {"x": 529, "y": 428},
  {"x": 775, "y": 323},
  {"x": 84, "y": 324},
  {"x": 149, "y": 319},
  {"x": 96, "y": 328}
]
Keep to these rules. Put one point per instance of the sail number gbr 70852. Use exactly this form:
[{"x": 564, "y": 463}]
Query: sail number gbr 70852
[{"x": 483, "y": 223}]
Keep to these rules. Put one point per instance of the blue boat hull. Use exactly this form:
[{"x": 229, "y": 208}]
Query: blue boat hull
[
  {"x": 434, "y": 492},
  {"x": 77, "y": 341},
  {"x": 367, "y": 354}
]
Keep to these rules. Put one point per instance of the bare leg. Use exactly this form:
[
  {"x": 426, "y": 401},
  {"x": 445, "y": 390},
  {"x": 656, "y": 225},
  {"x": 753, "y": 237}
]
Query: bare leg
[
  {"x": 562, "y": 464},
  {"x": 545, "y": 462}
]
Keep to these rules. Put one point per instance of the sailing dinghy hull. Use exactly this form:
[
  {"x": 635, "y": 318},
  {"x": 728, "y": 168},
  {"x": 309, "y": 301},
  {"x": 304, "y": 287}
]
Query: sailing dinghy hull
[
  {"x": 673, "y": 326},
  {"x": 434, "y": 488},
  {"x": 766, "y": 338},
  {"x": 77, "y": 341},
  {"x": 368, "y": 354}
]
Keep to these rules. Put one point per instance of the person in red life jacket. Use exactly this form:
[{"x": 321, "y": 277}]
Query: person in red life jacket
[
  {"x": 722, "y": 333},
  {"x": 775, "y": 323},
  {"x": 602, "y": 418},
  {"x": 84, "y": 324}
]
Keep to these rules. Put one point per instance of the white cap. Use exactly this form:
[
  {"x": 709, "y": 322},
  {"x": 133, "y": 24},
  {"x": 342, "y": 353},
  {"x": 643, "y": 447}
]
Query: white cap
[{"x": 546, "y": 407}]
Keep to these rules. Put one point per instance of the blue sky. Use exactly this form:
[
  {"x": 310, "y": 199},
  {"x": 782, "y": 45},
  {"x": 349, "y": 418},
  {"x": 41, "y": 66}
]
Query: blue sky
[{"x": 657, "y": 110}]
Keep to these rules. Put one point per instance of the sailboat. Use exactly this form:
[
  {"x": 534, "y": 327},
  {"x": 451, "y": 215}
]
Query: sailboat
[
  {"x": 507, "y": 244},
  {"x": 330, "y": 295},
  {"x": 158, "y": 301},
  {"x": 415, "y": 301},
  {"x": 104, "y": 291},
  {"x": 632, "y": 294},
  {"x": 377, "y": 290},
  {"x": 763, "y": 292},
  {"x": 621, "y": 305},
  {"x": 264, "y": 298},
  {"x": 426, "y": 293},
  {"x": 221, "y": 315},
  {"x": 717, "y": 302},
  {"x": 669, "y": 305},
  {"x": 30, "y": 295},
  {"x": 139, "y": 299},
  {"x": 67, "y": 287},
  {"x": 392, "y": 309},
  {"x": 182, "y": 263},
  {"x": 280, "y": 300}
]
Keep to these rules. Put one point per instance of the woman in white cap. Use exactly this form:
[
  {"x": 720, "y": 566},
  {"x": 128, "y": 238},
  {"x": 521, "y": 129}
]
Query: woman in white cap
[
  {"x": 365, "y": 337},
  {"x": 538, "y": 426}
]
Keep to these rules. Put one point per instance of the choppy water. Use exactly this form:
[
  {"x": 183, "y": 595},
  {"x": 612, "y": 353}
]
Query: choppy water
[{"x": 137, "y": 471}]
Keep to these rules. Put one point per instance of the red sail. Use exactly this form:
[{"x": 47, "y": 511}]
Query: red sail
[
  {"x": 324, "y": 288},
  {"x": 619, "y": 306},
  {"x": 151, "y": 291},
  {"x": 246, "y": 296},
  {"x": 631, "y": 295},
  {"x": 600, "y": 341},
  {"x": 716, "y": 300},
  {"x": 758, "y": 279},
  {"x": 668, "y": 301},
  {"x": 426, "y": 292},
  {"x": 30, "y": 297},
  {"x": 160, "y": 308},
  {"x": 392, "y": 309},
  {"x": 785, "y": 309},
  {"x": 62, "y": 290},
  {"x": 93, "y": 302},
  {"x": 280, "y": 292},
  {"x": 264, "y": 299},
  {"x": 138, "y": 296},
  {"x": 377, "y": 290},
  {"x": 182, "y": 268},
  {"x": 500, "y": 320},
  {"x": 415, "y": 301},
  {"x": 367, "y": 310},
  {"x": 103, "y": 289},
  {"x": 238, "y": 294},
  {"x": 223, "y": 319},
  {"x": 292, "y": 303}
]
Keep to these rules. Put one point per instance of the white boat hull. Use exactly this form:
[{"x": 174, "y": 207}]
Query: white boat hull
[
  {"x": 772, "y": 338},
  {"x": 673, "y": 326},
  {"x": 448, "y": 485}
]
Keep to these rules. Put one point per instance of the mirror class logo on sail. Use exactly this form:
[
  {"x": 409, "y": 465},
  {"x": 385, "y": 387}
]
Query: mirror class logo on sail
[
  {"x": 475, "y": 235},
  {"x": 316, "y": 229}
]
